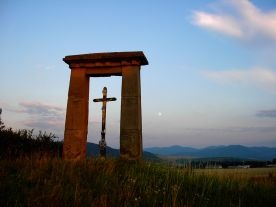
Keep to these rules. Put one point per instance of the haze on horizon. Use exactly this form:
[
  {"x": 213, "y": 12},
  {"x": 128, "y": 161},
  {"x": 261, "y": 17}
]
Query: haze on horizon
[{"x": 211, "y": 78}]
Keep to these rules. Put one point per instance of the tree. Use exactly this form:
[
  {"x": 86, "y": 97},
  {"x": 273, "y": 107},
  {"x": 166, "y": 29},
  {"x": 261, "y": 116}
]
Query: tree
[{"x": 2, "y": 126}]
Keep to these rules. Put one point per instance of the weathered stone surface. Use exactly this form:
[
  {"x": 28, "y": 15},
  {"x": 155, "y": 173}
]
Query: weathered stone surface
[
  {"x": 76, "y": 123},
  {"x": 125, "y": 64},
  {"x": 131, "y": 118}
]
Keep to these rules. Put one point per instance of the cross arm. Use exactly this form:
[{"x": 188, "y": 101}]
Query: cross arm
[
  {"x": 103, "y": 100},
  {"x": 111, "y": 99}
]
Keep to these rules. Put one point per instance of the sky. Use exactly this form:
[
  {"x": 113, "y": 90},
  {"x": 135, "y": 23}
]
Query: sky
[{"x": 211, "y": 78}]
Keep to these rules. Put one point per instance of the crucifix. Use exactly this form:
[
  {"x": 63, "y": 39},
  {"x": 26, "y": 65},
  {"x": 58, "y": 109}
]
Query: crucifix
[{"x": 102, "y": 143}]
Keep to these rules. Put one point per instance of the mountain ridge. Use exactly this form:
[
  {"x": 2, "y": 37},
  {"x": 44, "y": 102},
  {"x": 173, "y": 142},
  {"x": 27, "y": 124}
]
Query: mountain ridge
[
  {"x": 238, "y": 151},
  {"x": 93, "y": 150}
]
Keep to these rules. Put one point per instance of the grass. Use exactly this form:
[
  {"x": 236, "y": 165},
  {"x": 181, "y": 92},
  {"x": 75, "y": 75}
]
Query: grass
[
  {"x": 93, "y": 182},
  {"x": 265, "y": 174}
]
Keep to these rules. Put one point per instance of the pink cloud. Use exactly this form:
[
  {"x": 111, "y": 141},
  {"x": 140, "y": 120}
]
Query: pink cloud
[{"x": 42, "y": 116}]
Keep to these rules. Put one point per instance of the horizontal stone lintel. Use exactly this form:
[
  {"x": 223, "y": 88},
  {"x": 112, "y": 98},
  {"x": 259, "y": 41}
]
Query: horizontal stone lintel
[
  {"x": 106, "y": 59},
  {"x": 104, "y": 64}
]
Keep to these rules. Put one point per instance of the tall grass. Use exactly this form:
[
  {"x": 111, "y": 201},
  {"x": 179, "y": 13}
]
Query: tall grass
[{"x": 93, "y": 182}]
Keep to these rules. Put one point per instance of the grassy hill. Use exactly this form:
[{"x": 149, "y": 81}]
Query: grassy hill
[
  {"x": 113, "y": 182},
  {"x": 32, "y": 174}
]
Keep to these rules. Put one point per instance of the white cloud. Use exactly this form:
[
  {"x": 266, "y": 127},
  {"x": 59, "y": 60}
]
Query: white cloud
[
  {"x": 259, "y": 77},
  {"x": 223, "y": 24},
  {"x": 240, "y": 19}
]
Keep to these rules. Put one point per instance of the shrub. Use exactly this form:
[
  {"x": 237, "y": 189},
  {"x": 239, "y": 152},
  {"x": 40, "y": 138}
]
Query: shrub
[{"x": 22, "y": 143}]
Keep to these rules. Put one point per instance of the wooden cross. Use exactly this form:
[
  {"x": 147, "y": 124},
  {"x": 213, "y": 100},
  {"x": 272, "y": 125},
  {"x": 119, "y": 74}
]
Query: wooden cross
[{"x": 102, "y": 143}]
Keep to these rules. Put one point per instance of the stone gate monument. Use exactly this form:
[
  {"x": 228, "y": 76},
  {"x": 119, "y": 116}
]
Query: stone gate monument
[{"x": 125, "y": 64}]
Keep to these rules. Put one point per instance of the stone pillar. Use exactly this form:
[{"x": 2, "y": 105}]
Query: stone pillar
[
  {"x": 131, "y": 119},
  {"x": 75, "y": 135}
]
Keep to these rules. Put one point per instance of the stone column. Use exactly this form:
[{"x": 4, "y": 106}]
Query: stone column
[
  {"x": 75, "y": 135},
  {"x": 131, "y": 119}
]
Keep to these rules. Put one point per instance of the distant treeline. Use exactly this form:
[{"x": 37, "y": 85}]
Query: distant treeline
[
  {"x": 223, "y": 162},
  {"x": 15, "y": 144}
]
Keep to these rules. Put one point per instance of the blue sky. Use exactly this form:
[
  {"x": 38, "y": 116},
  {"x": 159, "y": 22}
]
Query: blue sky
[{"x": 211, "y": 78}]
